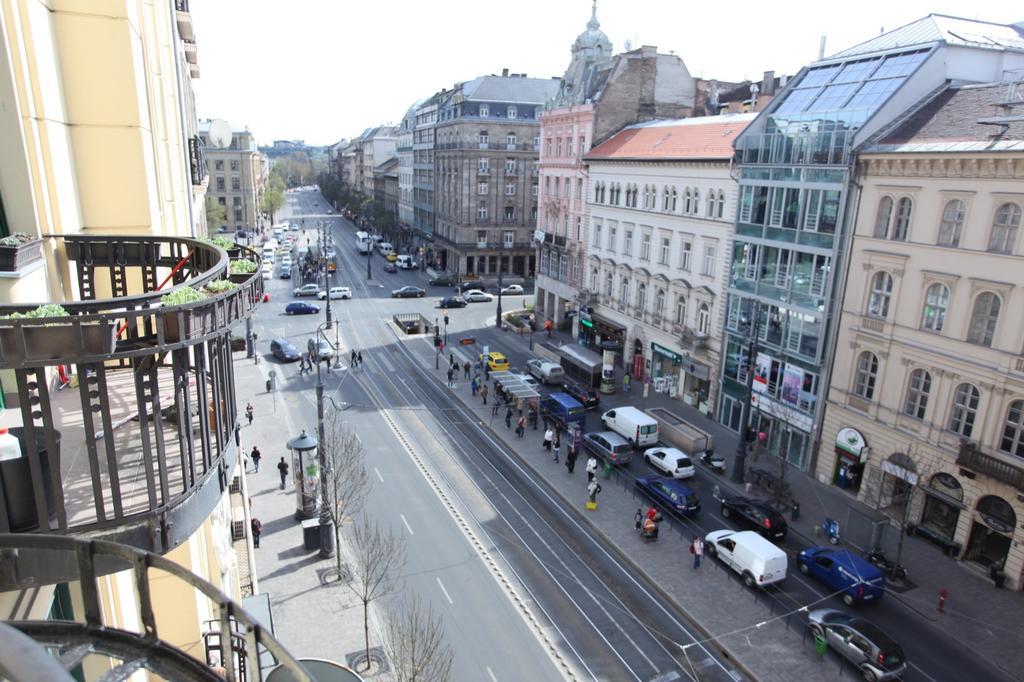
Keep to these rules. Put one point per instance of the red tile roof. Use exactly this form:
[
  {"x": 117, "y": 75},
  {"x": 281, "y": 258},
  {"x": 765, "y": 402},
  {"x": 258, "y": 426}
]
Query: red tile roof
[{"x": 706, "y": 137}]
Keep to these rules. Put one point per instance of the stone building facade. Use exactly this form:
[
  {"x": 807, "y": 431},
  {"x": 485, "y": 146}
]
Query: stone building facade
[
  {"x": 238, "y": 175},
  {"x": 404, "y": 151},
  {"x": 925, "y": 413}
]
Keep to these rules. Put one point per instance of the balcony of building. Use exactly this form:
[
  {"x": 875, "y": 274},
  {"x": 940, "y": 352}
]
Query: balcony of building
[
  {"x": 191, "y": 52},
  {"x": 183, "y": 17},
  {"x": 1003, "y": 469},
  {"x": 97, "y": 627},
  {"x": 123, "y": 400}
]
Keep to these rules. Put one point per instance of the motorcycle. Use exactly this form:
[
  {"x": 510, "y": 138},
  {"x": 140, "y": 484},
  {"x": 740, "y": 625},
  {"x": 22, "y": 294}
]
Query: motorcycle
[
  {"x": 712, "y": 461},
  {"x": 891, "y": 568},
  {"x": 831, "y": 528}
]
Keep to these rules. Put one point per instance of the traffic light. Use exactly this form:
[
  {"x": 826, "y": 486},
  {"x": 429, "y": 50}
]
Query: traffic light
[{"x": 446, "y": 320}]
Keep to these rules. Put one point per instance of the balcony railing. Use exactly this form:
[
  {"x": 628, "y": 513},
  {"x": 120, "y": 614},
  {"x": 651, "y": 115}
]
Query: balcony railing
[
  {"x": 129, "y": 640},
  {"x": 196, "y": 161},
  {"x": 970, "y": 457},
  {"x": 183, "y": 17},
  {"x": 140, "y": 451}
]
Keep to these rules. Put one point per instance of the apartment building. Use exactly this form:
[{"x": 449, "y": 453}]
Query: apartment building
[
  {"x": 238, "y": 175},
  {"x": 404, "y": 151}
]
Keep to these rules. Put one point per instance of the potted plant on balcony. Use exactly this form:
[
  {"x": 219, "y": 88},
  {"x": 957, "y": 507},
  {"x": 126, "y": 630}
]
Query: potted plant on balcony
[
  {"x": 233, "y": 249},
  {"x": 19, "y": 250},
  {"x": 54, "y": 338},
  {"x": 241, "y": 270},
  {"x": 182, "y": 296}
]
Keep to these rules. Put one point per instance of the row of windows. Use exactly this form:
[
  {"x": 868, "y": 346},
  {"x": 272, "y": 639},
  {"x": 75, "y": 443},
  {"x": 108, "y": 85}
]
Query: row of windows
[
  {"x": 984, "y": 313},
  {"x": 892, "y": 221},
  {"x": 809, "y": 210},
  {"x": 562, "y": 187},
  {"x": 672, "y": 200},
  {"x": 219, "y": 165},
  {"x": 963, "y": 412},
  {"x": 483, "y": 187},
  {"x": 664, "y": 252},
  {"x": 484, "y": 140},
  {"x": 639, "y": 302},
  {"x": 484, "y": 110},
  {"x": 236, "y": 183},
  {"x": 553, "y": 146}
]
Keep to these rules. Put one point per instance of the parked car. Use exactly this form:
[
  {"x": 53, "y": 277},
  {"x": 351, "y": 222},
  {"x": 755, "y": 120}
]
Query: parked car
[
  {"x": 442, "y": 281},
  {"x": 757, "y": 560},
  {"x": 588, "y": 397},
  {"x": 512, "y": 289},
  {"x": 286, "y": 273},
  {"x": 496, "y": 362},
  {"x": 563, "y": 409},
  {"x": 452, "y": 302},
  {"x": 320, "y": 349},
  {"x": 636, "y": 426},
  {"x": 391, "y": 257},
  {"x": 301, "y": 308},
  {"x": 477, "y": 296},
  {"x": 406, "y": 262},
  {"x": 335, "y": 293},
  {"x": 857, "y": 578},
  {"x": 671, "y": 461},
  {"x": 408, "y": 292},
  {"x": 859, "y": 641},
  {"x": 283, "y": 350},
  {"x": 611, "y": 447},
  {"x": 307, "y": 290},
  {"x": 466, "y": 286},
  {"x": 670, "y": 494},
  {"x": 755, "y": 514},
  {"x": 546, "y": 372},
  {"x": 390, "y": 267},
  {"x": 267, "y": 271}
]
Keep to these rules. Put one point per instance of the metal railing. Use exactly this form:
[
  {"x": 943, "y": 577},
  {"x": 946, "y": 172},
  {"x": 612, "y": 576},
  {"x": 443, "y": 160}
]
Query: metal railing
[
  {"x": 29, "y": 561},
  {"x": 971, "y": 457}
]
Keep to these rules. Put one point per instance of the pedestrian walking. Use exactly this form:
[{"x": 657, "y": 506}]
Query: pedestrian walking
[
  {"x": 570, "y": 458},
  {"x": 451, "y": 360},
  {"x": 697, "y": 550},
  {"x": 282, "y": 468},
  {"x": 465, "y": 369},
  {"x": 248, "y": 412},
  {"x": 557, "y": 446},
  {"x": 494, "y": 410},
  {"x": 483, "y": 392},
  {"x": 472, "y": 387},
  {"x": 450, "y": 374},
  {"x": 508, "y": 418},
  {"x": 591, "y": 468},
  {"x": 352, "y": 361},
  {"x": 257, "y": 531},
  {"x": 626, "y": 381},
  {"x": 359, "y": 358},
  {"x": 548, "y": 437},
  {"x": 521, "y": 426},
  {"x": 255, "y": 456}
]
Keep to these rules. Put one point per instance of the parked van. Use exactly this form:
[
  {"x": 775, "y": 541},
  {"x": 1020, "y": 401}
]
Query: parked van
[
  {"x": 638, "y": 427},
  {"x": 563, "y": 409},
  {"x": 842, "y": 570},
  {"x": 405, "y": 262},
  {"x": 757, "y": 560},
  {"x": 680, "y": 433},
  {"x": 545, "y": 372},
  {"x": 279, "y": 233},
  {"x": 385, "y": 248}
]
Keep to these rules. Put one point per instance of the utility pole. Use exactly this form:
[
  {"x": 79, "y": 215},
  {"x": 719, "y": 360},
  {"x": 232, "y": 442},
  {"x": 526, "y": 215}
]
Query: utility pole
[
  {"x": 739, "y": 464},
  {"x": 326, "y": 525},
  {"x": 501, "y": 269}
]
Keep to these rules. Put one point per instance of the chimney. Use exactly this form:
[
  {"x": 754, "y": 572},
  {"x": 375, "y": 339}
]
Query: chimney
[
  {"x": 504, "y": 73},
  {"x": 768, "y": 83}
]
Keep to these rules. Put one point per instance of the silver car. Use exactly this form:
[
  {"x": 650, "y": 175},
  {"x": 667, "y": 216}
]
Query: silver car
[
  {"x": 859, "y": 641},
  {"x": 608, "y": 445}
]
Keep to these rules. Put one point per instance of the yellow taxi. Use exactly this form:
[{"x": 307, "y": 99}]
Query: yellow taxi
[
  {"x": 496, "y": 362},
  {"x": 392, "y": 257}
]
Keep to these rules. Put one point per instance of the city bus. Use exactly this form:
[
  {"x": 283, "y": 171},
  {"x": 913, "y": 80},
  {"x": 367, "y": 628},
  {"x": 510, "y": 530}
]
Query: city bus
[{"x": 363, "y": 242}]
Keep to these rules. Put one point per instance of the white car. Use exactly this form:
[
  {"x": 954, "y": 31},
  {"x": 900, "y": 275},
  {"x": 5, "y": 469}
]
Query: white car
[
  {"x": 286, "y": 261},
  {"x": 670, "y": 461},
  {"x": 307, "y": 290},
  {"x": 268, "y": 271},
  {"x": 294, "y": 227},
  {"x": 477, "y": 296},
  {"x": 512, "y": 289},
  {"x": 335, "y": 293}
]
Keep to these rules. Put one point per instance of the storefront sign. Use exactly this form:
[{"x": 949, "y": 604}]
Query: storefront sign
[
  {"x": 852, "y": 441},
  {"x": 697, "y": 369},
  {"x": 762, "y": 367},
  {"x": 899, "y": 472},
  {"x": 671, "y": 355},
  {"x": 784, "y": 412}
]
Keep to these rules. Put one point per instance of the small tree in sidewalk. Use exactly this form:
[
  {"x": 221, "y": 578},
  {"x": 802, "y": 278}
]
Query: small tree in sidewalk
[
  {"x": 347, "y": 479},
  {"x": 377, "y": 556},
  {"x": 416, "y": 645}
]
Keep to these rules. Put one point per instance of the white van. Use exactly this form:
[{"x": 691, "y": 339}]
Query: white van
[
  {"x": 547, "y": 372},
  {"x": 757, "y": 560},
  {"x": 385, "y": 248},
  {"x": 638, "y": 427},
  {"x": 405, "y": 262}
]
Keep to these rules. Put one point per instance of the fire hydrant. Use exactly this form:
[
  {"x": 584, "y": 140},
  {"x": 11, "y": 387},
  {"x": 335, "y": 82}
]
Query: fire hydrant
[{"x": 943, "y": 595}]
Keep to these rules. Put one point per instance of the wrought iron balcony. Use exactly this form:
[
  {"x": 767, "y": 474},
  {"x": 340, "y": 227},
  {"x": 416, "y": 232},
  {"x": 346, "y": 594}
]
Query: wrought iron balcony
[
  {"x": 183, "y": 18},
  {"x": 139, "y": 446},
  {"x": 970, "y": 457},
  {"x": 93, "y": 635}
]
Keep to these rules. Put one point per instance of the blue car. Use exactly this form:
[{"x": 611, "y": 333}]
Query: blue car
[
  {"x": 302, "y": 308},
  {"x": 670, "y": 494},
  {"x": 856, "y": 578}
]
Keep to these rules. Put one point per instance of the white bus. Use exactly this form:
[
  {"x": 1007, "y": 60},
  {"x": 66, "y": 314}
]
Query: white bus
[{"x": 363, "y": 242}]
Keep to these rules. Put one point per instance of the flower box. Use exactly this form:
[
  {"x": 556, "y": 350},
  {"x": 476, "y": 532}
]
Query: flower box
[
  {"x": 45, "y": 342},
  {"x": 14, "y": 258}
]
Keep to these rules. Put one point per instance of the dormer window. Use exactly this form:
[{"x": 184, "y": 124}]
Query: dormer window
[
  {"x": 485, "y": 110},
  {"x": 512, "y": 112}
]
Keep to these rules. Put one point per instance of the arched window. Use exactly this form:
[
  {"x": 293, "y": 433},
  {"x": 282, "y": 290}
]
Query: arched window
[
  {"x": 881, "y": 292},
  {"x": 593, "y": 280},
  {"x": 624, "y": 293},
  {"x": 687, "y": 201},
  {"x": 936, "y": 301},
  {"x": 711, "y": 204},
  {"x": 965, "y": 410},
  {"x": 666, "y": 198},
  {"x": 608, "y": 286},
  {"x": 721, "y": 204},
  {"x": 641, "y": 299},
  {"x": 1013, "y": 430},
  {"x": 902, "y": 226},
  {"x": 952, "y": 223},
  {"x": 984, "y": 318},
  {"x": 704, "y": 319},
  {"x": 675, "y": 200},
  {"x": 1004, "y": 229},
  {"x": 883, "y": 217},
  {"x": 681, "y": 309},
  {"x": 866, "y": 375},
  {"x": 696, "y": 201},
  {"x": 917, "y": 393},
  {"x": 659, "y": 303}
]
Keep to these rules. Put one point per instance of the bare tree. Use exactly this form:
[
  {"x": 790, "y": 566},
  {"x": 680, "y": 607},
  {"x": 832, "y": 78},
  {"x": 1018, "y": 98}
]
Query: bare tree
[
  {"x": 347, "y": 479},
  {"x": 416, "y": 644},
  {"x": 377, "y": 556}
]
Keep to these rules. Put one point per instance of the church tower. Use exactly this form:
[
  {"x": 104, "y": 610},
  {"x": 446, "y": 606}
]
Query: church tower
[{"x": 591, "y": 51}]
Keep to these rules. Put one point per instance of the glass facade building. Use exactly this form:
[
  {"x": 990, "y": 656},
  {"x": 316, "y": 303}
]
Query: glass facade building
[{"x": 795, "y": 168}]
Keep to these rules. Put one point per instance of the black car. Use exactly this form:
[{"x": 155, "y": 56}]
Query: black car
[
  {"x": 408, "y": 292},
  {"x": 466, "y": 286},
  {"x": 755, "y": 514},
  {"x": 283, "y": 350},
  {"x": 301, "y": 308},
  {"x": 390, "y": 267},
  {"x": 587, "y": 397},
  {"x": 452, "y": 302},
  {"x": 442, "y": 281}
]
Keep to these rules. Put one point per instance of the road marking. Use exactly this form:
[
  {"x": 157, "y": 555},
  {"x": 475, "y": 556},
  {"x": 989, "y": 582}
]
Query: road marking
[
  {"x": 409, "y": 528},
  {"x": 384, "y": 361},
  {"x": 379, "y": 477},
  {"x": 446, "y": 595},
  {"x": 490, "y": 673}
]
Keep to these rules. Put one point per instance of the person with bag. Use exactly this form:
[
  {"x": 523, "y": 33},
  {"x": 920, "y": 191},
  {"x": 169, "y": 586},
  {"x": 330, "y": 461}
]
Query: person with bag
[
  {"x": 256, "y": 456},
  {"x": 521, "y": 426},
  {"x": 257, "y": 531},
  {"x": 591, "y": 468},
  {"x": 697, "y": 550}
]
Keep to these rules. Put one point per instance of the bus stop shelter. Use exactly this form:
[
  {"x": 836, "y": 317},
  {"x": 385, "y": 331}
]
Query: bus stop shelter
[
  {"x": 581, "y": 364},
  {"x": 513, "y": 390}
]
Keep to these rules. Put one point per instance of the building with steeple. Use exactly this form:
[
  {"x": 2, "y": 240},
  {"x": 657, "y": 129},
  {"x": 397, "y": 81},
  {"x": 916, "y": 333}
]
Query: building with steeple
[{"x": 599, "y": 95}]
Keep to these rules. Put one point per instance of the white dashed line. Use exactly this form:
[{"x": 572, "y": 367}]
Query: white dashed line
[
  {"x": 377, "y": 471},
  {"x": 446, "y": 595},
  {"x": 490, "y": 673},
  {"x": 409, "y": 528}
]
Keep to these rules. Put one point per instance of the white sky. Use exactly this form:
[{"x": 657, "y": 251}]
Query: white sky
[{"x": 321, "y": 70}]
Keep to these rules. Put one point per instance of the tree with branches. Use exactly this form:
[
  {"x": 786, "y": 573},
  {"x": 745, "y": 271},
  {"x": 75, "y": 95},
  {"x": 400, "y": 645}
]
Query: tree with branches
[
  {"x": 216, "y": 214},
  {"x": 273, "y": 196},
  {"x": 377, "y": 557},
  {"x": 415, "y": 644},
  {"x": 347, "y": 479}
]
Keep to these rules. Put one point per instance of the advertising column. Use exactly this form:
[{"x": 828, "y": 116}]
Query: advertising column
[{"x": 608, "y": 371}]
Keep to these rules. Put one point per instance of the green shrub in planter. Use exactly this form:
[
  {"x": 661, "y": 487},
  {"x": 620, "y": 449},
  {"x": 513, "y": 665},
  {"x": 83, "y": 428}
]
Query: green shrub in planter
[
  {"x": 53, "y": 338},
  {"x": 182, "y": 296},
  {"x": 243, "y": 266},
  {"x": 16, "y": 239},
  {"x": 43, "y": 311},
  {"x": 222, "y": 242},
  {"x": 219, "y": 286}
]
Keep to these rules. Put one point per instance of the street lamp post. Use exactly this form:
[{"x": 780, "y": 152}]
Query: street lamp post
[
  {"x": 739, "y": 464},
  {"x": 501, "y": 269},
  {"x": 437, "y": 347},
  {"x": 369, "y": 253},
  {"x": 326, "y": 525}
]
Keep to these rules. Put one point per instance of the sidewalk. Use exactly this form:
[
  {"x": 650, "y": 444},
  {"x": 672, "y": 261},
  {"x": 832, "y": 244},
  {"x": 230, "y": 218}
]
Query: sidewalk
[{"x": 976, "y": 613}]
